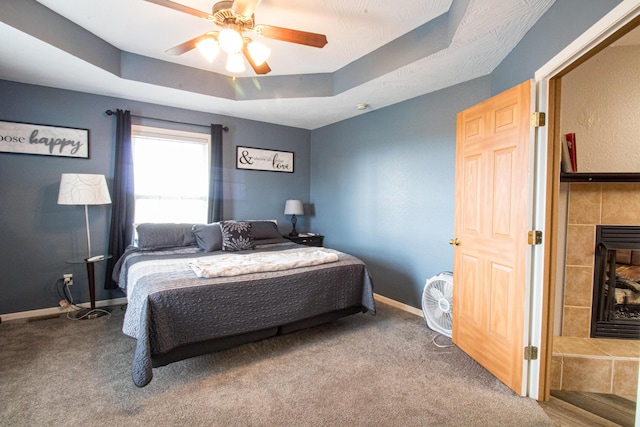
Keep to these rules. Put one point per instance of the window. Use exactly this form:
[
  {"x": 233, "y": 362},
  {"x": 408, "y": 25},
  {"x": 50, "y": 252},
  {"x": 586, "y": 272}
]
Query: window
[{"x": 171, "y": 173}]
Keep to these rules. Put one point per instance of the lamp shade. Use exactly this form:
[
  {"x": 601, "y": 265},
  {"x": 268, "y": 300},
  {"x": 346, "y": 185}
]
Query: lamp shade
[
  {"x": 230, "y": 39},
  {"x": 259, "y": 52},
  {"x": 293, "y": 207},
  {"x": 83, "y": 189},
  {"x": 208, "y": 47},
  {"x": 235, "y": 63}
]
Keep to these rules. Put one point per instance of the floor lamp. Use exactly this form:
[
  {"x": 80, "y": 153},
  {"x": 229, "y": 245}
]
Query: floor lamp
[{"x": 86, "y": 189}]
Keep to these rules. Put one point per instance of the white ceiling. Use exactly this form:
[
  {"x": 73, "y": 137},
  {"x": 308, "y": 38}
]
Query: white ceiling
[{"x": 379, "y": 52}]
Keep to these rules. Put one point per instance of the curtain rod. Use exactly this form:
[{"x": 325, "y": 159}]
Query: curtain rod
[{"x": 224, "y": 128}]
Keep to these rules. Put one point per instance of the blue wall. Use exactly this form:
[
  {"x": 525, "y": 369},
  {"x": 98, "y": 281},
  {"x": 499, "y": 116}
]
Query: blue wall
[
  {"x": 37, "y": 235},
  {"x": 383, "y": 183},
  {"x": 380, "y": 185},
  {"x": 383, "y": 187}
]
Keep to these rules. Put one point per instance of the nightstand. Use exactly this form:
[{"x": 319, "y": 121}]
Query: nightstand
[
  {"x": 91, "y": 313},
  {"x": 315, "y": 240}
]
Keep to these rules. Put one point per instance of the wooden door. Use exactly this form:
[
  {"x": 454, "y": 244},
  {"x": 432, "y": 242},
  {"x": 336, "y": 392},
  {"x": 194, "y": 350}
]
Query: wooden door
[{"x": 491, "y": 218}]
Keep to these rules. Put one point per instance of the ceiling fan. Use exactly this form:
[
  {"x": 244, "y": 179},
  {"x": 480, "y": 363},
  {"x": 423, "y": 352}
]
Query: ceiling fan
[{"x": 234, "y": 18}]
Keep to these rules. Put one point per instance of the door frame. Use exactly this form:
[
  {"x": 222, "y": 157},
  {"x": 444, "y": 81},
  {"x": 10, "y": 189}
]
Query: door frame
[{"x": 547, "y": 183}]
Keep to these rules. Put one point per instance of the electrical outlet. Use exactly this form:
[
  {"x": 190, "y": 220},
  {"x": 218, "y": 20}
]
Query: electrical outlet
[{"x": 68, "y": 279}]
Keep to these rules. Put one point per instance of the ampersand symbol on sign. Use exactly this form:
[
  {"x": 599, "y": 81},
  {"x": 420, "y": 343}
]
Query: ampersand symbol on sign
[{"x": 245, "y": 159}]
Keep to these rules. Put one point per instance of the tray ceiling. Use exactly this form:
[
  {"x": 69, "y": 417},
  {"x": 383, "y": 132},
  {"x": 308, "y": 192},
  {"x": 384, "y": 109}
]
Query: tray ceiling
[{"x": 379, "y": 53}]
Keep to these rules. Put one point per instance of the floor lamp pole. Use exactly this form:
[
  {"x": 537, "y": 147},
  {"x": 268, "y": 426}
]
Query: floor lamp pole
[{"x": 86, "y": 218}]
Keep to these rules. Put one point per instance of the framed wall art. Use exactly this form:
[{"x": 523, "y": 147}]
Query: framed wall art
[
  {"x": 29, "y": 138},
  {"x": 264, "y": 160}
]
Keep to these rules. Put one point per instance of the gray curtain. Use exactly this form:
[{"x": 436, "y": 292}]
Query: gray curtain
[
  {"x": 215, "y": 177},
  {"x": 122, "y": 195}
]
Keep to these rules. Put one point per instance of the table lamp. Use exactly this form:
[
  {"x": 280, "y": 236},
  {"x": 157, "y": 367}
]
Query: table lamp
[{"x": 293, "y": 208}]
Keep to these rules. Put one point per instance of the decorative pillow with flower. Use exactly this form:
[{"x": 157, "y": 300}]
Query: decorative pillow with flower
[{"x": 236, "y": 236}]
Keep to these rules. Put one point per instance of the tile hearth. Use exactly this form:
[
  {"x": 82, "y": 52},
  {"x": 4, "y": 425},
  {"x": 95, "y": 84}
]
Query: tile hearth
[{"x": 596, "y": 365}]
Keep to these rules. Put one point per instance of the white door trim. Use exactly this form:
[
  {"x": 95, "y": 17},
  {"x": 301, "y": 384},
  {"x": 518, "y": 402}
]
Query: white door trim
[{"x": 605, "y": 27}]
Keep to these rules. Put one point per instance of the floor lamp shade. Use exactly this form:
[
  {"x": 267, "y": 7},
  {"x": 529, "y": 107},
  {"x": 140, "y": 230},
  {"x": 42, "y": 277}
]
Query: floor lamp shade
[{"x": 84, "y": 189}]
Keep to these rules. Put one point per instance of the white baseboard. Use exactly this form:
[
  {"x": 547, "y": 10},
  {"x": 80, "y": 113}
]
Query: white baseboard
[
  {"x": 43, "y": 312},
  {"x": 397, "y": 304}
]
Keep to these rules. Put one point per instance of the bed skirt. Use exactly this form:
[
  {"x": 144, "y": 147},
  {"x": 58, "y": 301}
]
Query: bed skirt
[{"x": 219, "y": 344}]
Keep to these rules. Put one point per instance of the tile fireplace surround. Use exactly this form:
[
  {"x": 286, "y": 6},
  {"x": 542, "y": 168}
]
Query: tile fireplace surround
[{"x": 580, "y": 363}]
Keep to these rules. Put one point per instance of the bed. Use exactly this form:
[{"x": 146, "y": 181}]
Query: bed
[{"x": 196, "y": 289}]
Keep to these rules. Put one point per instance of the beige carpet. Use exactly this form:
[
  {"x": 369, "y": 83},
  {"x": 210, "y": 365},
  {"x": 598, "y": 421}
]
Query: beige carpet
[{"x": 368, "y": 370}]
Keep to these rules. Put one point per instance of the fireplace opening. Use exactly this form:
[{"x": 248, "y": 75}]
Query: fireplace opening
[{"x": 616, "y": 284}]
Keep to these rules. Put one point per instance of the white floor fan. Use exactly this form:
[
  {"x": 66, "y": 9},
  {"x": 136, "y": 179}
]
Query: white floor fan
[{"x": 437, "y": 299}]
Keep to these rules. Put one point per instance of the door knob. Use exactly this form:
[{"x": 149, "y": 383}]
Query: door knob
[{"x": 454, "y": 241}]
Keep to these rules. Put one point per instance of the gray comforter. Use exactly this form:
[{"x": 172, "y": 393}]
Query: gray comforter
[{"x": 169, "y": 306}]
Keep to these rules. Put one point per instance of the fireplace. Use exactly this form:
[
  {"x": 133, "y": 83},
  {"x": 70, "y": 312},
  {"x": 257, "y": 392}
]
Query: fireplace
[{"x": 616, "y": 285}]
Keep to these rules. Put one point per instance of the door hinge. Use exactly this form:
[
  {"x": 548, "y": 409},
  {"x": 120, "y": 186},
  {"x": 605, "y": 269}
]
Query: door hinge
[
  {"x": 531, "y": 352},
  {"x": 538, "y": 119},
  {"x": 535, "y": 237}
]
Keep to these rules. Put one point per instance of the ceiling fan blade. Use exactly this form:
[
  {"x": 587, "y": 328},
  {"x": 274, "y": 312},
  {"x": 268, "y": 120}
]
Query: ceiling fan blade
[
  {"x": 291, "y": 36},
  {"x": 245, "y": 7},
  {"x": 182, "y": 8},
  {"x": 259, "y": 69},
  {"x": 186, "y": 46}
]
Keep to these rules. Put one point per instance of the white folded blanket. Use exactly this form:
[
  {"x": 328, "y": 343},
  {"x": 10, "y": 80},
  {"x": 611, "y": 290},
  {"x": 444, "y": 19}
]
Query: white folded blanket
[{"x": 234, "y": 264}]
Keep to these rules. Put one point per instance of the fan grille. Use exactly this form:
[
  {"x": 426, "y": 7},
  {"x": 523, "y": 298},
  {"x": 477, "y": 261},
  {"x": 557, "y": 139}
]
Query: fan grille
[{"x": 437, "y": 303}]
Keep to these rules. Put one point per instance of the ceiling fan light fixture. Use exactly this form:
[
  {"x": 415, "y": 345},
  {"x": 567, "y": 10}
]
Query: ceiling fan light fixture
[
  {"x": 235, "y": 63},
  {"x": 230, "y": 39},
  {"x": 234, "y": 17},
  {"x": 209, "y": 48},
  {"x": 259, "y": 52}
]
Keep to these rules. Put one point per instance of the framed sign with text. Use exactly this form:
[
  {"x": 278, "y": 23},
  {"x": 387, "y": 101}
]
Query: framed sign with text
[
  {"x": 28, "y": 138},
  {"x": 264, "y": 160}
]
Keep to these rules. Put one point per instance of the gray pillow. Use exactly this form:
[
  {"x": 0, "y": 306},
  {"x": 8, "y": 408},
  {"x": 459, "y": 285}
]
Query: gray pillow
[
  {"x": 236, "y": 236},
  {"x": 208, "y": 236},
  {"x": 158, "y": 236},
  {"x": 264, "y": 230}
]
